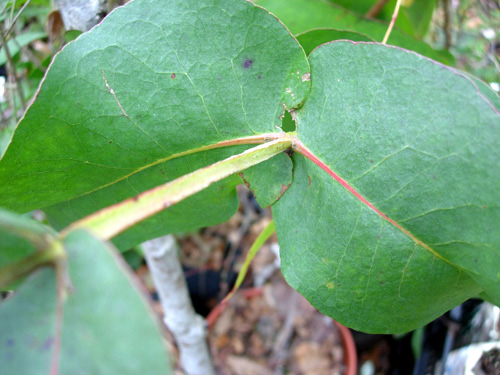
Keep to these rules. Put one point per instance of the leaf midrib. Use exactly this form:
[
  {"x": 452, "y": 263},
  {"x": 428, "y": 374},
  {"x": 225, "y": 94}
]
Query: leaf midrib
[{"x": 303, "y": 150}]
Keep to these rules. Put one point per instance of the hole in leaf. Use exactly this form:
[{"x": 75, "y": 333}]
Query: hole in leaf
[{"x": 287, "y": 123}]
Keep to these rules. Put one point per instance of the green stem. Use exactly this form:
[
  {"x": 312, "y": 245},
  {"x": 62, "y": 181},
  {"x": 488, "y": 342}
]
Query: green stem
[
  {"x": 393, "y": 21},
  {"x": 259, "y": 242},
  {"x": 15, "y": 271},
  {"x": 109, "y": 222}
]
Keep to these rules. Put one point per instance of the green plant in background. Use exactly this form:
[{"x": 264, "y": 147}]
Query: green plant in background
[
  {"x": 385, "y": 201},
  {"x": 20, "y": 25}
]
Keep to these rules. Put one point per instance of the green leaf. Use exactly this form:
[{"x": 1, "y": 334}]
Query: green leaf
[
  {"x": 262, "y": 178},
  {"x": 413, "y": 227},
  {"x": 303, "y": 15},
  {"x": 113, "y": 108},
  {"x": 311, "y": 39},
  {"x": 419, "y": 14},
  {"x": 20, "y": 236},
  {"x": 104, "y": 330}
]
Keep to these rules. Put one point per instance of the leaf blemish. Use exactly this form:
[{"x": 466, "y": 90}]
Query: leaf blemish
[
  {"x": 309, "y": 177},
  {"x": 306, "y": 77},
  {"x": 289, "y": 91},
  {"x": 283, "y": 189},
  {"x": 173, "y": 76},
  {"x": 247, "y": 63},
  {"x": 330, "y": 285},
  {"x": 48, "y": 344},
  {"x": 260, "y": 76}
]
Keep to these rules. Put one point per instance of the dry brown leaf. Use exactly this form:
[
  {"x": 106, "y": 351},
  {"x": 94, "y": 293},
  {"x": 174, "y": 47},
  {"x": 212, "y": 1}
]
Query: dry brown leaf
[{"x": 245, "y": 366}]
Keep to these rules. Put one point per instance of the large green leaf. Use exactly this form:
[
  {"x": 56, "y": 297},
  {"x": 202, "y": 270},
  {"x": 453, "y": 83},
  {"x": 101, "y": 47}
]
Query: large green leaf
[
  {"x": 303, "y": 15},
  {"x": 106, "y": 326},
  {"x": 414, "y": 228},
  {"x": 152, "y": 82}
]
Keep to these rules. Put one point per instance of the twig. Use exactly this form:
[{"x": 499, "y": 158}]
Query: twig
[
  {"x": 282, "y": 342},
  {"x": 11, "y": 26},
  {"x": 188, "y": 328},
  {"x": 376, "y": 8},
  {"x": 31, "y": 57},
  {"x": 393, "y": 21},
  {"x": 12, "y": 72},
  {"x": 3, "y": 121},
  {"x": 447, "y": 24}
]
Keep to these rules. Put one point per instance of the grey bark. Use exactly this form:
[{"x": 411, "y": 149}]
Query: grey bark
[
  {"x": 82, "y": 14},
  {"x": 188, "y": 328}
]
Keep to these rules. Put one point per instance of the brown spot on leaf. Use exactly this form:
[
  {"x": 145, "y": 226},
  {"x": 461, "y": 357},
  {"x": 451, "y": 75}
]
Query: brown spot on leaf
[
  {"x": 309, "y": 177},
  {"x": 371, "y": 161},
  {"x": 260, "y": 76},
  {"x": 173, "y": 76},
  {"x": 330, "y": 285},
  {"x": 306, "y": 77},
  {"x": 110, "y": 141},
  {"x": 247, "y": 63},
  {"x": 283, "y": 189}
]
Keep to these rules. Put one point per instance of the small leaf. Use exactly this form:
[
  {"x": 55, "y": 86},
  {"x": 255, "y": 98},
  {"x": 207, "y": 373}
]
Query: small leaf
[
  {"x": 269, "y": 180},
  {"x": 20, "y": 236},
  {"x": 105, "y": 330}
]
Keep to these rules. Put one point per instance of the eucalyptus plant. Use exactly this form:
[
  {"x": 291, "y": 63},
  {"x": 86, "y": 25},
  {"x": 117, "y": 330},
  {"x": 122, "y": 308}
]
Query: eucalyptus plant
[{"x": 384, "y": 187}]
